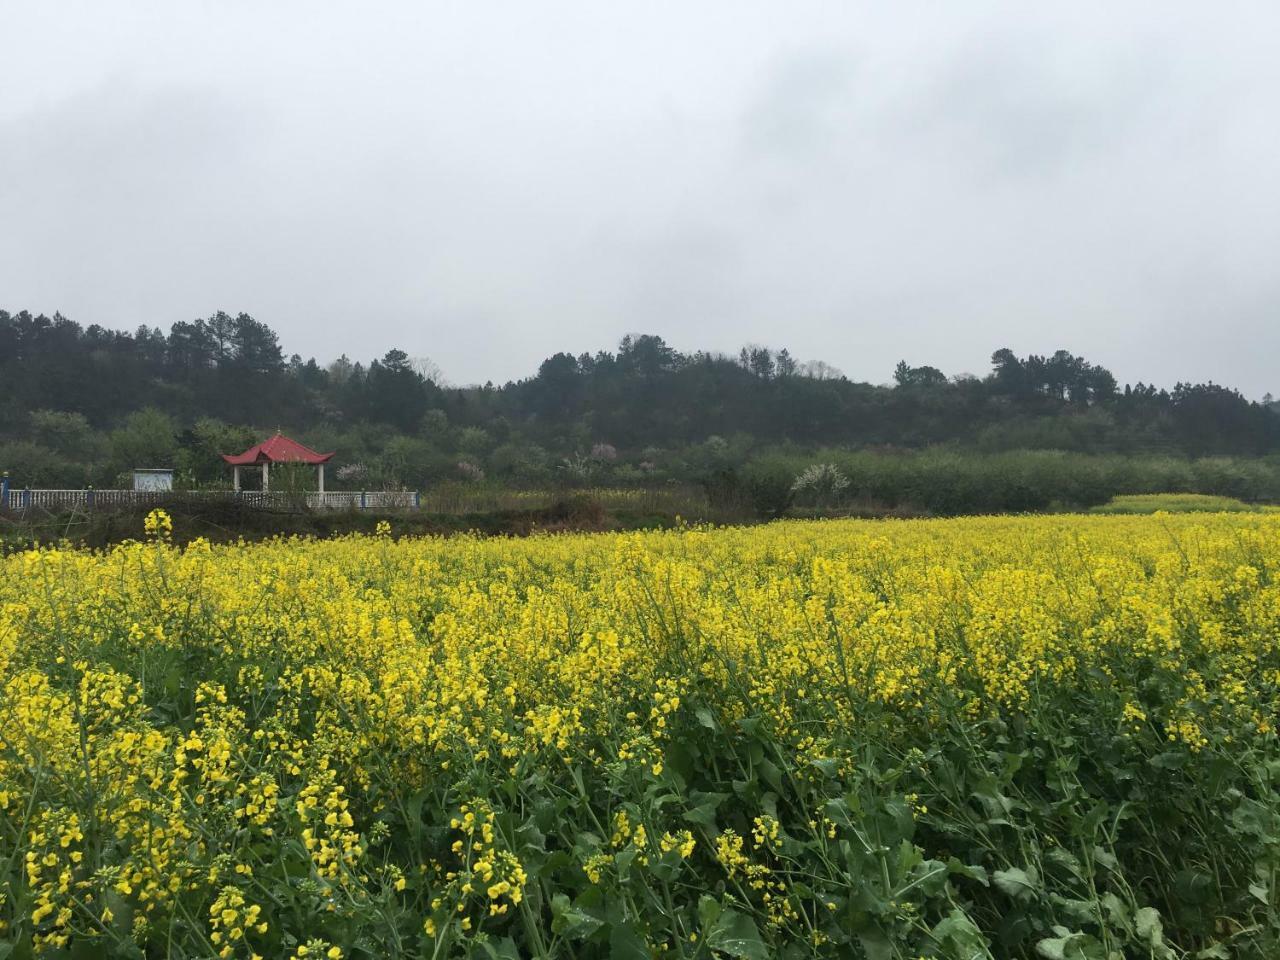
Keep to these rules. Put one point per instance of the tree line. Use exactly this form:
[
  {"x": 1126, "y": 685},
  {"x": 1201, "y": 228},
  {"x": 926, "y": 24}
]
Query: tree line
[{"x": 84, "y": 404}]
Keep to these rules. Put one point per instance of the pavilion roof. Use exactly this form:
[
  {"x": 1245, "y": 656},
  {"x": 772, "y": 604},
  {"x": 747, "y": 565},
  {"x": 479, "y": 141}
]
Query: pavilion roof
[{"x": 279, "y": 449}]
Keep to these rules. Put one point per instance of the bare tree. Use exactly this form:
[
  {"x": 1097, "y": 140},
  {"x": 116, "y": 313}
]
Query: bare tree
[
  {"x": 819, "y": 370},
  {"x": 429, "y": 370}
]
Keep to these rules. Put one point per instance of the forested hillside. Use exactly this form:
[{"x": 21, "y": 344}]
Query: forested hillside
[{"x": 82, "y": 404}]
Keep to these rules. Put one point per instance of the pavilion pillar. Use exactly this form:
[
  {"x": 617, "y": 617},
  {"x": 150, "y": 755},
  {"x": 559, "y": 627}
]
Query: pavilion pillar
[
  {"x": 235, "y": 478},
  {"x": 320, "y": 475},
  {"x": 265, "y": 477}
]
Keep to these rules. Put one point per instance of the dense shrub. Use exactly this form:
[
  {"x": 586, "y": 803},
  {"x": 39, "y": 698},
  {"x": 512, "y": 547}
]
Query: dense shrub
[{"x": 951, "y": 482}]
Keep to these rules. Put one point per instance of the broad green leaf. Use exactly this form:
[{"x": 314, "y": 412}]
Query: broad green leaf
[
  {"x": 1072, "y": 946},
  {"x": 1015, "y": 882},
  {"x": 569, "y": 921},
  {"x": 627, "y": 943},
  {"x": 1054, "y": 948},
  {"x": 876, "y": 944},
  {"x": 959, "y": 933},
  {"x": 930, "y": 877},
  {"x": 771, "y": 774},
  {"x": 504, "y": 949},
  {"x": 1193, "y": 886},
  {"x": 1169, "y": 760},
  {"x": 1146, "y": 921},
  {"x": 1215, "y": 952},
  {"x": 708, "y": 910},
  {"x": 705, "y": 810},
  {"x": 622, "y": 862},
  {"x": 734, "y": 934},
  {"x": 1150, "y": 929},
  {"x": 1080, "y": 911},
  {"x": 970, "y": 870}
]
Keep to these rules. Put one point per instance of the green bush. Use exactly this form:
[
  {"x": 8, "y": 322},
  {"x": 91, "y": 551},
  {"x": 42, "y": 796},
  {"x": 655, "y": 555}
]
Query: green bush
[
  {"x": 1144, "y": 503},
  {"x": 951, "y": 482}
]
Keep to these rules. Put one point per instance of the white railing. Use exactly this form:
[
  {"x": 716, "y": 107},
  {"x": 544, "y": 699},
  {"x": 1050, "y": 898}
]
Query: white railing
[
  {"x": 44, "y": 499},
  {"x": 364, "y": 500}
]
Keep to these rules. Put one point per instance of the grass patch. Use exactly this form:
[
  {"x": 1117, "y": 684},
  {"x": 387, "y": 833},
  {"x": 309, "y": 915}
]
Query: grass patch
[{"x": 1144, "y": 503}]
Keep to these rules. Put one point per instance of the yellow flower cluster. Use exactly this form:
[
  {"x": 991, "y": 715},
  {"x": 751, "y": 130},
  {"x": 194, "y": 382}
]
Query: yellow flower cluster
[
  {"x": 158, "y": 524},
  {"x": 328, "y": 833},
  {"x": 211, "y": 715},
  {"x": 230, "y": 917},
  {"x": 487, "y": 873}
]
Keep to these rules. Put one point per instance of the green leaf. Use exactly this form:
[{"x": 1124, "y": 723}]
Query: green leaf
[
  {"x": 1080, "y": 911},
  {"x": 826, "y": 765},
  {"x": 1054, "y": 948},
  {"x": 1015, "y": 882},
  {"x": 1065, "y": 859},
  {"x": 665, "y": 868},
  {"x": 1192, "y": 886},
  {"x": 87, "y": 949},
  {"x": 1071, "y": 946},
  {"x": 735, "y": 935},
  {"x": 173, "y": 678},
  {"x": 1169, "y": 760},
  {"x": 413, "y": 814},
  {"x": 971, "y": 870},
  {"x": 930, "y": 877},
  {"x": 504, "y": 949},
  {"x": 961, "y": 934},
  {"x": 771, "y": 774},
  {"x": 708, "y": 910},
  {"x": 839, "y": 812},
  {"x": 1117, "y": 912},
  {"x": 1105, "y": 858},
  {"x": 622, "y": 863},
  {"x": 1011, "y": 764},
  {"x": 586, "y": 840},
  {"x": 627, "y": 943},
  {"x": 876, "y": 944},
  {"x": 704, "y": 812},
  {"x": 1215, "y": 952},
  {"x": 569, "y": 921},
  {"x": 1252, "y": 818},
  {"x": 1147, "y": 924}
]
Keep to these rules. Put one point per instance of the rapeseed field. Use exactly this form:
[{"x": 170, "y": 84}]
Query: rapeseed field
[{"x": 1002, "y": 737}]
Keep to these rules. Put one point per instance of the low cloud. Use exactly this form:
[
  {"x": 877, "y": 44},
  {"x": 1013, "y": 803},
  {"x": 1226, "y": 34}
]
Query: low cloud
[{"x": 486, "y": 185}]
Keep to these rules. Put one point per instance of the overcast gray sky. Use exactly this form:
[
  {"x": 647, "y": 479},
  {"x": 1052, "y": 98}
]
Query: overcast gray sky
[{"x": 487, "y": 183}]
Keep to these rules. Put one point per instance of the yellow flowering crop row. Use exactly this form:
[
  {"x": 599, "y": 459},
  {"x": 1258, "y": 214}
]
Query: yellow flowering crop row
[{"x": 805, "y": 739}]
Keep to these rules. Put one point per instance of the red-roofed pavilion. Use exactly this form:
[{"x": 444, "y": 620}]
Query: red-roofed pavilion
[{"x": 279, "y": 449}]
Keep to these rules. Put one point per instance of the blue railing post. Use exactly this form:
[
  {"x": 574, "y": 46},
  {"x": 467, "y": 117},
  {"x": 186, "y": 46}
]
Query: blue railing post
[
  {"x": 26, "y": 497},
  {"x": 364, "y": 503},
  {"x": 89, "y": 496},
  {"x": 4, "y": 491},
  {"x": 417, "y": 499}
]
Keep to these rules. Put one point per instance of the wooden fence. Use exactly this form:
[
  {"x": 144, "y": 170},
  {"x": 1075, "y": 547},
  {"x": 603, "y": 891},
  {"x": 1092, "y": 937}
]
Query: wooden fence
[{"x": 15, "y": 499}]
